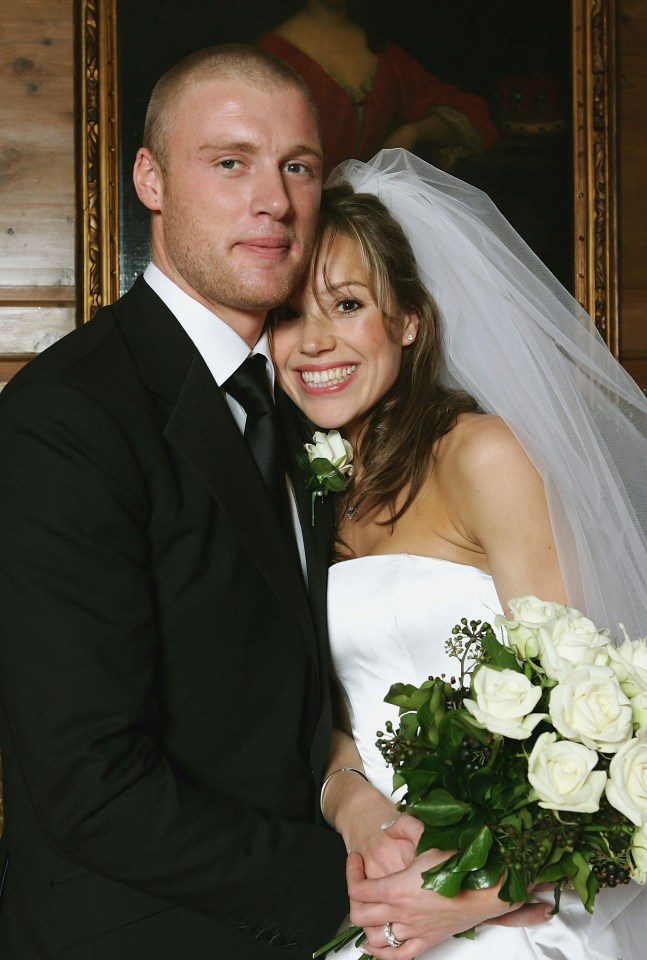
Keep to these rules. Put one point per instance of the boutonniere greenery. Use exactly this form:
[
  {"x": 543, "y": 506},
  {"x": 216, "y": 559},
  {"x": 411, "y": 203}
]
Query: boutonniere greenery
[{"x": 327, "y": 464}]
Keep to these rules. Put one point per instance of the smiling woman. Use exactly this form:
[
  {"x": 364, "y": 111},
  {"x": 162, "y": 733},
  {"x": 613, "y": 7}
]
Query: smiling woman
[{"x": 337, "y": 351}]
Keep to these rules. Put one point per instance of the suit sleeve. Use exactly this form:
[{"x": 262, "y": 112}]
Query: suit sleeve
[{"x": 78, "y": 685}]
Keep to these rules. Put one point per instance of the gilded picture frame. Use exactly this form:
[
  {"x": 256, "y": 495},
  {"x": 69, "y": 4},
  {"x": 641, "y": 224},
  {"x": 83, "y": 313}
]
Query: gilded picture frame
[{"x": 593, "y": 72}]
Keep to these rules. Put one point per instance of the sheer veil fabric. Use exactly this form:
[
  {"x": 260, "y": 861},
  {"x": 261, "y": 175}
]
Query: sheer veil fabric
[{"x": 517, "y": 340}]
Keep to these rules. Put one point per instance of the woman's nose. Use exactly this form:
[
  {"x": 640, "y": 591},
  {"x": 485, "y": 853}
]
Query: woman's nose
[{"x": 316, "y": 336}]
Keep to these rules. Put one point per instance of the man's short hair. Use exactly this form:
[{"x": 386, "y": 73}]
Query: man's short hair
[{"x": 229, "y": 61}]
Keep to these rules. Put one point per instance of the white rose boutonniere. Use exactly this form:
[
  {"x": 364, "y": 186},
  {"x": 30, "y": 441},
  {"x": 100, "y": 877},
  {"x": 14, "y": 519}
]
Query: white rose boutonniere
[
  {"x": 327, "y": 464},
  {"x": 588, "y": 706},
  {"x": 504, "y": 702},
  {"x": 564, "y": 776}
]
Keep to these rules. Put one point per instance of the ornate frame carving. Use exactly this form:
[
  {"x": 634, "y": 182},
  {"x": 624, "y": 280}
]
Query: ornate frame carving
[
  {"x": 97, "y": 267},
  {"x": 594, "y": 125},
  {"x": 594, "y": 242}
]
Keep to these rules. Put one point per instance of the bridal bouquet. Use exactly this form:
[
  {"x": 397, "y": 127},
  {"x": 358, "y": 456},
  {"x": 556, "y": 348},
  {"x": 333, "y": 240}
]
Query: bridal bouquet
[{"x": 530, "y": 765}]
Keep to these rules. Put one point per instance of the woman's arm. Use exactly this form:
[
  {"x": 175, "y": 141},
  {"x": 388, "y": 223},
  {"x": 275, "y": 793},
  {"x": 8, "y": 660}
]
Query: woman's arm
[
  {"x": 497, "y": 501},
  {"x": 358, "y": 810}
]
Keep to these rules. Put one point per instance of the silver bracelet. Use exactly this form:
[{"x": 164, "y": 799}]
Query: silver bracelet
[{"x": 330, "y": 777}]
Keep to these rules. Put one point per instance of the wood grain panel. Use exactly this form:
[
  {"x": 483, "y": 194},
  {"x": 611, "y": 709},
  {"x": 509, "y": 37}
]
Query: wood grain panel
[
  {"x": 30, "y": 329},
  {"x": 36, "y": 146}
]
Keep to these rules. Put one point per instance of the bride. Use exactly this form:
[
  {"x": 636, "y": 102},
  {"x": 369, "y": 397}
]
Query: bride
[{"x": 499, "y": 451}]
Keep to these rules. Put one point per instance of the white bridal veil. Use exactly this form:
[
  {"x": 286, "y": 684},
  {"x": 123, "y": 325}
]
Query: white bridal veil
[{"x": 517, "y": 341}]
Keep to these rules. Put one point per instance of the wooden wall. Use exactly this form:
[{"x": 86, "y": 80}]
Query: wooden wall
[{"x": 36, "y": 177}]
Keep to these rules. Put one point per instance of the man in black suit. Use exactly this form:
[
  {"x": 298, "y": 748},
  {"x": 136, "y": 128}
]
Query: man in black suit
[{"x": 165, "y": 714}]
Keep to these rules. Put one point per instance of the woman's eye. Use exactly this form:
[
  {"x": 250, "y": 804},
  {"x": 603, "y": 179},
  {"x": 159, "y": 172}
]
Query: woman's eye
[{"x": 348, "y": 304}]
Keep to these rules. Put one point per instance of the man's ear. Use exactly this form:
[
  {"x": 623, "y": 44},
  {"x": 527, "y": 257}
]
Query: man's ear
[{"x": 148, "y": 180}]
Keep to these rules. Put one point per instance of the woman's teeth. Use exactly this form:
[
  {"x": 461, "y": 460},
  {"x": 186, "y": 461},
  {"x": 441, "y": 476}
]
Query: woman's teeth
[{"x": 325, "y": 378}]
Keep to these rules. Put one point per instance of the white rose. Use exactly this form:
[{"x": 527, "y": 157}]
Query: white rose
[
  {"x": 589, "y": 706},
  {"x": 639, "y": 855},
  {"x": 529, "y": 613},
  {"x": 629, "y": 660},
  {"x": 571, "y": 640},
  {"x": 627, "y": 786},
  {"x": 331, "y": 446},
  {"x": 639, "y": 710},
  {"x": 563, "y": 774},
  {"x": 504, "y": 701}
]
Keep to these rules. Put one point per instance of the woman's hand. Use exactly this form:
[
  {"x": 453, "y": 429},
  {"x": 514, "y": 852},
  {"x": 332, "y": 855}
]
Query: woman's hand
[
  {"x": 421, "y": 918},
  {"x": 365, "y": 818}
]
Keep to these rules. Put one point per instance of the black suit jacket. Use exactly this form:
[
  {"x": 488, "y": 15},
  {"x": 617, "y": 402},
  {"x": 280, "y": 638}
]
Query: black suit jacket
[{"x": 165, "y": 711}]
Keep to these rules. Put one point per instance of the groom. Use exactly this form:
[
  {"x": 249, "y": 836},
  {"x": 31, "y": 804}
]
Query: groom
[{"x": 164, "y": 706}]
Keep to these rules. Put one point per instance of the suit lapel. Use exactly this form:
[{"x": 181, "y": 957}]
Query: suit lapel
[
  {"x": 317, "y": 537},
  {"x": 173, "y": 369}
]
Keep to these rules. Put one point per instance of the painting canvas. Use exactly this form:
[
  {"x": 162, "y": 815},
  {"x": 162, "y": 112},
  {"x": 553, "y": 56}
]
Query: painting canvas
[{"x": 517, "y": 57}]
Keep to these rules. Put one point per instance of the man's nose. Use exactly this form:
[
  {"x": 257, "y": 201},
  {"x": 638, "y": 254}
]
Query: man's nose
[{"x": 271, "y": 195}]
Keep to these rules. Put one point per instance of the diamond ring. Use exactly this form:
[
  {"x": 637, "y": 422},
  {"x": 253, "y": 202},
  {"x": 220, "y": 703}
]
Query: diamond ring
[{"x": 390, "y": 938}]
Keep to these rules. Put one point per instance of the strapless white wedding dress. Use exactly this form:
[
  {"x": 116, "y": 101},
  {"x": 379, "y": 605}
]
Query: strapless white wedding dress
[{"x": 389, "y": 619}]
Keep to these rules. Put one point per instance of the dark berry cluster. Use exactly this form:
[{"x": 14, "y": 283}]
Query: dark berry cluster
[
  {"x": 473, "y": 754},
  {"x": 396, "y": 748},
  {"x": 609, "y": 873}
]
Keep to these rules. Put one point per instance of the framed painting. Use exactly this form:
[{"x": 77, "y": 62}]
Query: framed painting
[{"x": 548, "y": 77}]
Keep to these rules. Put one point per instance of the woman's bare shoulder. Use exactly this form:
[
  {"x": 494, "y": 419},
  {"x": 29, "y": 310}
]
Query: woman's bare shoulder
[{"x": 476, "y": 441}]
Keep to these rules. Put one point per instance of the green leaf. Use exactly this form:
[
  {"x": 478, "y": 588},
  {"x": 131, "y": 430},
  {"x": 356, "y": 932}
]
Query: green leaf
[
  {"x": 420, "y": 779},
  {"x": 500, "y": 656},
  {"x": 580, "y": 878},
  {"x": 592, "y": 887},
  {"x": 488, "y": 876},
  {"x": 475, "y": 845},
  {"x": 515, "y": 887},
  {"x": 440, "y": 838},
  {"x": 446, "y": 882},
  {"x": 407, "y": 696},
  {"x": 440, "y": 808},
  {"x": 342, "y": 938},
  {"x": 452, "y": 730}
]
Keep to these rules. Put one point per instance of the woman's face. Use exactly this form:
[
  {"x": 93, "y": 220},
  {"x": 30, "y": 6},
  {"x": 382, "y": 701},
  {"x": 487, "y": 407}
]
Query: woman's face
[{"x": 335, "y": 353}]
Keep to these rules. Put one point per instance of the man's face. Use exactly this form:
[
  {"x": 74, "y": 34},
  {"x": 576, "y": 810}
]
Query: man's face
[{"x": 239, "y": 197}]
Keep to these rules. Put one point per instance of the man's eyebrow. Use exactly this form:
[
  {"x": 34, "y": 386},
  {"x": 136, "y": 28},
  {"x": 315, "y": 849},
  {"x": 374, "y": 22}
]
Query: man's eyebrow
[
  {"x": 248, "y": 146},
  {"x": 235, "y": 146}
]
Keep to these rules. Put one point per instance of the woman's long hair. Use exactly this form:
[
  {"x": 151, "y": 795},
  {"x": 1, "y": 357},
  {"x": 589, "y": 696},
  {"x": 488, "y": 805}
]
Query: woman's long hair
[{"x": 395, "y": 444}]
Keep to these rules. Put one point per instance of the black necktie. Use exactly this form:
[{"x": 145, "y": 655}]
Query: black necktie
[{"x": 250, "y": 386}]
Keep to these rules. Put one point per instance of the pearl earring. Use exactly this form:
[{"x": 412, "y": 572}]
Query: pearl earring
[{"x": 410, "y": 337}]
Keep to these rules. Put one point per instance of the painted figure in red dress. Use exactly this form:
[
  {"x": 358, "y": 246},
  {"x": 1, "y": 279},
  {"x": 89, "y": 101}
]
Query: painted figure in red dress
[{"x": 372, "y": 94}]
